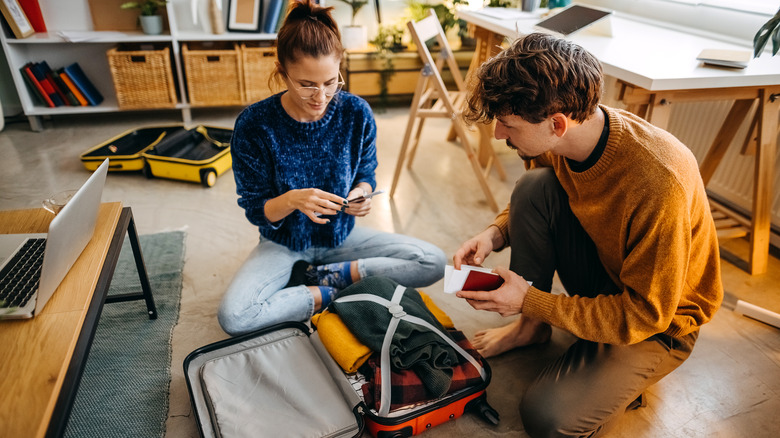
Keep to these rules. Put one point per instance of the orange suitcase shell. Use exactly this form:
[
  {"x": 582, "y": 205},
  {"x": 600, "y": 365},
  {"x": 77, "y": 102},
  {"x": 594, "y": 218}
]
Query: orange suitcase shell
[{"x": 290, "y": 347}]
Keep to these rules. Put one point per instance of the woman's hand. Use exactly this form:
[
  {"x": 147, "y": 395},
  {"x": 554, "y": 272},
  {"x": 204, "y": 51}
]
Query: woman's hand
[
  {"x": 360, "y": 206},
  {"x": 316, "y": 204}
]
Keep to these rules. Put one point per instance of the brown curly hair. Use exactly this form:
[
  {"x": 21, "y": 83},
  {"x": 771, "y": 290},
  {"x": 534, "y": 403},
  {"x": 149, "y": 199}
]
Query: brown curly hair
[{"x": 537, "y": 76}]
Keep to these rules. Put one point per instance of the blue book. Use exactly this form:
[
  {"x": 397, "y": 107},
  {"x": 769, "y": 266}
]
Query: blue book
[
  {"x": 87, "y": 88},
  {"x": 272, "y": 15}
]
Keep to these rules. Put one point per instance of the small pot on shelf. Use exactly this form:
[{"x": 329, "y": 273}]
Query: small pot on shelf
[{"x": 151, "y": 24}]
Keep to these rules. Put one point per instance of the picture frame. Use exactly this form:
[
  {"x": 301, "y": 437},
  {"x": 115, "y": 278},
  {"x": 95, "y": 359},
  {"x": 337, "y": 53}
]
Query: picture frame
[
  {"x": 244, "y": 15},
  {"x": 17, "y": 20}
]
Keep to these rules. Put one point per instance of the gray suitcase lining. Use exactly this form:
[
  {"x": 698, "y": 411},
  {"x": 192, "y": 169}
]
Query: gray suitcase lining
[{"x": 282, "y": 383}]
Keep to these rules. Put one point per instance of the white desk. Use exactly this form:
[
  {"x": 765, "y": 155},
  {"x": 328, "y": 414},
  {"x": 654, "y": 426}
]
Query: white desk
[{"x": 655, "y": 67}]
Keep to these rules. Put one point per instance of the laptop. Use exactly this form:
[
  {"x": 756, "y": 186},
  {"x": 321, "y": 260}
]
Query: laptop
[
  {"x": 575, "y": 18},
  {"x": 32, "y": 266}
]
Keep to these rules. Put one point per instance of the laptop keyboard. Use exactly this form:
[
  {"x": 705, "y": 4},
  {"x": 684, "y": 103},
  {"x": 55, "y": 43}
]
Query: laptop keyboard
[{"x": 19, "y": 277}]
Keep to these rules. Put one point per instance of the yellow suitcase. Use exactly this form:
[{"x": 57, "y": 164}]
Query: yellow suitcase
[
  {"x": 199, "y": 154},
  {"x": 124, "y": 151}
]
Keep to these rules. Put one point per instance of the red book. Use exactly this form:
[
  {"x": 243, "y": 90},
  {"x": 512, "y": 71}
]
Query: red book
[
  {"x": 477, "y": 280},
  {"x": 49, "y": 75},
  {"x": 40, "y": 75},
  {"x": 470, "y": 278},
  {"x": 27, "y": 71},
  {"x": 32, "y": 10}
]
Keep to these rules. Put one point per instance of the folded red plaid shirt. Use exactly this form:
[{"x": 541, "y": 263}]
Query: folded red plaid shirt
[{"x": 406, "y": 387}]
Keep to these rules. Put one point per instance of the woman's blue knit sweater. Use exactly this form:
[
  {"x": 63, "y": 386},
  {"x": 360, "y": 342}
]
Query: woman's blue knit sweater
[{"x": 273, "y": 153}]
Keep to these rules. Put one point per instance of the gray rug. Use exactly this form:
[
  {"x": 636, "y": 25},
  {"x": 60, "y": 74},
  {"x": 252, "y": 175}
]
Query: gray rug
[{"x": 124, "y": 388}]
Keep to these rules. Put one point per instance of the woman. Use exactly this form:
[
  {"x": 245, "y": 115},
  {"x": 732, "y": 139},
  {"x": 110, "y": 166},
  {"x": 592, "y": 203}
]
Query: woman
[{"x": 298, "y": 157}]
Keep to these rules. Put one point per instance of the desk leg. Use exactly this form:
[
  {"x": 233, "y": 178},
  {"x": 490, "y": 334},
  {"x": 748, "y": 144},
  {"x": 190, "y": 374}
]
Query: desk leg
[
  {"x": 763, "y": 180},
  {"x": 127, "y": 224},
  {"x": 659, "y": 111}
]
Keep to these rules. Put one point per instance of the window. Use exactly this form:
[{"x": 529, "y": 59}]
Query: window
[{"x": 757, "y": 6}]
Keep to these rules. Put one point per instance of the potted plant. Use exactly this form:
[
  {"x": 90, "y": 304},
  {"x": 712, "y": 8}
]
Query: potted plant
[
  {"x": 150, "y": 18},
  {"x": 354, "y": 36},
  {"x": 388, "y": 40},
  {"x": 770, "y": 29}
]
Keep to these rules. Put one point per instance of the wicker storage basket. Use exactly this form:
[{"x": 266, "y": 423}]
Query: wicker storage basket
[
  {"x": 213, "y": 74},
  {"x": 142, "y": 78},
  {"x": 258, "y": 65}
]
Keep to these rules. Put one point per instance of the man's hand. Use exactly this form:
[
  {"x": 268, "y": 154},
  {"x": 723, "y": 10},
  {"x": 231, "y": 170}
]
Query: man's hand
[
  {"x": 507, "y": 300},
  {"x": 475, "y": 250}
]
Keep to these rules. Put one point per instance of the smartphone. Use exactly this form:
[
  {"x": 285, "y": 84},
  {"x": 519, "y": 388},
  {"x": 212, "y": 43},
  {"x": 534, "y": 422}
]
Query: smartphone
[{"x": 368, "y": 196}]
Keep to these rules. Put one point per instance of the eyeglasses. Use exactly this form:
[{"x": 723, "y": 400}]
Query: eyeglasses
[{"x": 329, "y": 90}]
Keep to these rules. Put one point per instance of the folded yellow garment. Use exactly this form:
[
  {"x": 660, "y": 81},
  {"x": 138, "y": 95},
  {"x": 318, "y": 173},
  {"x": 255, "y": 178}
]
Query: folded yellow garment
[
  {"x": 345, "y": 348},
  {"x": 342, "y": 345},
  {"x": 436, "y": 311}
]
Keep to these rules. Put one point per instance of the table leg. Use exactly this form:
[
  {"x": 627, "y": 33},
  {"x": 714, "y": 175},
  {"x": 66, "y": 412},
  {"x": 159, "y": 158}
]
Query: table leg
[
  {"x": 127, "y": 225},
  {"x": 763, "y": 178}
]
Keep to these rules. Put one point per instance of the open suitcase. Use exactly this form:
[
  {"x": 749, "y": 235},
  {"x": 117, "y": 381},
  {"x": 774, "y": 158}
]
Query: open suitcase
[
  {"x": 282, "y": 381},
  {"x": 199, "y": 154}
]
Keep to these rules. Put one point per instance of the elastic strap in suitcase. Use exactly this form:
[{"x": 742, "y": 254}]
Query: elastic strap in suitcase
[{"x": 394, "y": 307}]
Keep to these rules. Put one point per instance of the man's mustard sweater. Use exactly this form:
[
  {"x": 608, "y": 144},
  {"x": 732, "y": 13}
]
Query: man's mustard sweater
[{"x": 643, "y": 203}]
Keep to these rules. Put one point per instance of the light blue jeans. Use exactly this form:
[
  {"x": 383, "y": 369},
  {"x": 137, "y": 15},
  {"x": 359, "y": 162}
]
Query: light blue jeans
[{"x": 257, "y": 297}]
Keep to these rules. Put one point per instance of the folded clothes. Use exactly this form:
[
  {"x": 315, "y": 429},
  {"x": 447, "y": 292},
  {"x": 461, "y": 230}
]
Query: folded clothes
[
  {"x": 406, "y": 386},
  {"x": 342, "y": 345},
  {"x": 345, "y": 348},
  {"x": 412, "y": 346},
  {"x": 439, "y": 314}
]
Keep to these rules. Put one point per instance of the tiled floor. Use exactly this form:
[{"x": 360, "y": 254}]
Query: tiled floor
[{"x": 730, "y": 387}]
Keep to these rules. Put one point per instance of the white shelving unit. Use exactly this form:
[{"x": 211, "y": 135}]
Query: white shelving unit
[{"x": 67, "y": 42}]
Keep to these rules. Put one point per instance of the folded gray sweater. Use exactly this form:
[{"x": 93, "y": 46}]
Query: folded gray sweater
[{"x": 412, "y": 347}]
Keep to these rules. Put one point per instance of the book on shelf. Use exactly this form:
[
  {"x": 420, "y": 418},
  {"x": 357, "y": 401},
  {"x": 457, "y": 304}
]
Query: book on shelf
[
  {"x": 34, "y": 15},
  {"x": 69, "y": 96},
  {"x": 72, "y": 87},
  {"x": 282, "y": 15},
  {"x": 48, "y": 88},
  {"x": 85, "y": 86},
  {"x": 270, "y": 17},
  {"x": 36, "y": 88},
  {"x": 49, "y": 74}
]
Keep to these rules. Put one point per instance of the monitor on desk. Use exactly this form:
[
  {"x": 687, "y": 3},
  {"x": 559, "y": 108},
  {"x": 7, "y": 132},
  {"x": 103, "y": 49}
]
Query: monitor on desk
[{"x": 575, "y": 18}]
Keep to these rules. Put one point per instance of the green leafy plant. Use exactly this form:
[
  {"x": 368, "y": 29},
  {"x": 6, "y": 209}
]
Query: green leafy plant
[
  {"x": 445, "y": 12},
  {"x": 147, "y": 7},
  {"x": 770, "y": 29},
  {"x": 389, "y": 39},
  {"x": 356, "y": 6},
  {"x": 500, "y": 3}
]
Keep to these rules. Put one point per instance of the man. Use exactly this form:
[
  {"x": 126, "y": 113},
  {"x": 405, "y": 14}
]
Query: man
[{"x": 613, "y": 204}]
